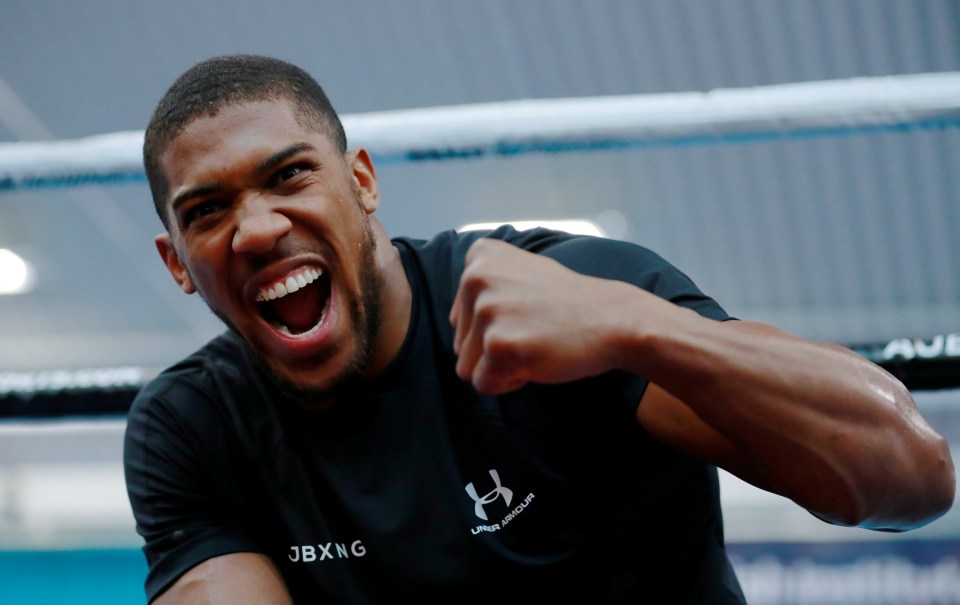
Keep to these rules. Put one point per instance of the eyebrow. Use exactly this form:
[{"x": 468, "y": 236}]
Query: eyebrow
[
  {"x": 282, "y": 156},
  {"x": 193, "y": 192},
  {"x": 266, "y": 165}
]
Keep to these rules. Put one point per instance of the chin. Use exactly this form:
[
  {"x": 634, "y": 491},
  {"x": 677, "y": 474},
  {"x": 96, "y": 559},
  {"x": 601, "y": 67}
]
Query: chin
[{"x": 316, "y": 386}]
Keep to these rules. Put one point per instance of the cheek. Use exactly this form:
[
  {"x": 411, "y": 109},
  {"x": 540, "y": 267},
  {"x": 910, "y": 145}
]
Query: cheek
[{"x": 207, "y": 271}]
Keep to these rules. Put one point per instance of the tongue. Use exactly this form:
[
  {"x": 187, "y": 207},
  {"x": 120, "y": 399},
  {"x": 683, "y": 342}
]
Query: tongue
[{"x": 299, "y": 311}]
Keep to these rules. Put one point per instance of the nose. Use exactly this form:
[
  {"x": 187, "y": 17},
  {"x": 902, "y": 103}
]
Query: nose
[{"x": 259, "y": 226}]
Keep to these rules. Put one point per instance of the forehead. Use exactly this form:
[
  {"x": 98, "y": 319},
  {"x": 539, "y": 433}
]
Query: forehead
[{"x": 237, "y": 135}]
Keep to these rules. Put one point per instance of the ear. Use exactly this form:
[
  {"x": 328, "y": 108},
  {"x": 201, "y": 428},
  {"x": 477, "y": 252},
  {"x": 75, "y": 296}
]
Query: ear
[
  {"x": 176, "y": 268},
  {"x": 365, "y": 178}
]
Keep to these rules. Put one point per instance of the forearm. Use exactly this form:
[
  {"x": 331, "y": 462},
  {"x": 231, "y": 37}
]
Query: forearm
[
  {"x": 233, "y": 579},
  {"x": 813, "y": 422}
]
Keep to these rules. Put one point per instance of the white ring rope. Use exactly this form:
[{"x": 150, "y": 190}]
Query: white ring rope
[{"x": 823, "y": 108}]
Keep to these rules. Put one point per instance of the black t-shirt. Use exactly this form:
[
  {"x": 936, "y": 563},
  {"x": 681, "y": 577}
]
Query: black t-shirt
[{"x": 416, "y": 487}]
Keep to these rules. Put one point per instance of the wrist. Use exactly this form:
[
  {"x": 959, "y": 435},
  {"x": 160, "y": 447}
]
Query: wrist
[{"x": 653, "y": 332}]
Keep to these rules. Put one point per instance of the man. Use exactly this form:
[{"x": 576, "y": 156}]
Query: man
[{"x": 488, "y": 417}]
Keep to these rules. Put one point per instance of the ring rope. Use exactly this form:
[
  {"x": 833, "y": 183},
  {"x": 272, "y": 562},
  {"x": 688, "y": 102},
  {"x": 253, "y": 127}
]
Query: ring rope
[{"x": 731, "y": 115}]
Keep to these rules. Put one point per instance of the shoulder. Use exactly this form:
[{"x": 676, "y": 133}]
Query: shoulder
[
  {"x": 443, "y": 257},
  {"x": 194, "y": 373},
  {"x": 452, "y": 246},
  {"x": 194, "y": 395},
  {"x": 622, "y": 261},
  {"x": 203, "y": 418}
]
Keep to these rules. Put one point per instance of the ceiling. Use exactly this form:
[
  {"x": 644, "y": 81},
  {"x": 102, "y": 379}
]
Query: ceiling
[{"x": 852, "y": 239}]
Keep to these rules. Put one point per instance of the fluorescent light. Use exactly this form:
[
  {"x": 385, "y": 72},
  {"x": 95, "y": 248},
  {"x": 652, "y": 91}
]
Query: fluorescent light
[
  {"x": 577, "y": 226},
  {"x": 16, "y": 276}
]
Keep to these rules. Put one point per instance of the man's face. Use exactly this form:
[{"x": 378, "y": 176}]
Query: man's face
[{"x": 271, "y": 225}]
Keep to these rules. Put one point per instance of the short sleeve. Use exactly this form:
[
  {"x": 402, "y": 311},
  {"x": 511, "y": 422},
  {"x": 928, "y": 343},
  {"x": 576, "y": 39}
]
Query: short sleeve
[
  {"x": 637, "y": 265},
  {"x": 175, "y": 492}
]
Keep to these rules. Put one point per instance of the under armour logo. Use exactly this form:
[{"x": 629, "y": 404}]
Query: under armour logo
[{"x": 498, "y": 491}]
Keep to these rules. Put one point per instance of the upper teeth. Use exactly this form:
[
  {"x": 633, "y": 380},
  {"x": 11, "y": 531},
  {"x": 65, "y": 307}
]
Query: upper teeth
[{"x": 290, "y": 284}]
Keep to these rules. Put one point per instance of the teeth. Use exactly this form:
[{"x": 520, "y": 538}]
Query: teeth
[{"x": 291, "y": 284}]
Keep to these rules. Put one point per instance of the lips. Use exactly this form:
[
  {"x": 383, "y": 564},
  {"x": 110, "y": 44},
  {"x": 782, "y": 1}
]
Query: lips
[{"x": 295, "y": 304}]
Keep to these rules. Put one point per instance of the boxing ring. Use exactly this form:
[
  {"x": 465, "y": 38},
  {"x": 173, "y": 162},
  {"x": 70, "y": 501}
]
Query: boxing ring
[
  {"x": 930, "y": 365},
  {"x": 804, "y": 110}
]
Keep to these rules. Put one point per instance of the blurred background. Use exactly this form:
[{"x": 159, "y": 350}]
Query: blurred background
[{"x": 852, "y": 238}]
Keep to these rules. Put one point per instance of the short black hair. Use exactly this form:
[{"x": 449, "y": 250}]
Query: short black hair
[{"x": 218, "y": 82}]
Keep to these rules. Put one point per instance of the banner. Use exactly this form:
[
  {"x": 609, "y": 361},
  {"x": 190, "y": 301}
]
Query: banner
[{"x": 895, "y": 572}]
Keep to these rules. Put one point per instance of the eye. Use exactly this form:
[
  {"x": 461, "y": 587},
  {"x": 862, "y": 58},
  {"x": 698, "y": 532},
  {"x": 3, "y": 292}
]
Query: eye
[
  {"x": 201, "y": 210},
  {"x": 288, "y": 173}
]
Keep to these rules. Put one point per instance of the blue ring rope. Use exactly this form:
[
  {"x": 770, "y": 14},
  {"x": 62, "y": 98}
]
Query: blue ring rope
[{"x": 509, "y": 149}]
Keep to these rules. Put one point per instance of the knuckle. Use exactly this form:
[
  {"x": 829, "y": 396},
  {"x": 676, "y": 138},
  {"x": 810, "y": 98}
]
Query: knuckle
[
  {"x": 504, "y": 349},
  {"x": 474, "y": 279},
  {"x": 484, "y": 314}
]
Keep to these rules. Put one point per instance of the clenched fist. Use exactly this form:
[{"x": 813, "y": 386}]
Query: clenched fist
[{"x": 519, "y": 317}]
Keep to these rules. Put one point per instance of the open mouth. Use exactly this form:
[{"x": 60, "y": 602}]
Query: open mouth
[{"x": 297, "y": 304}]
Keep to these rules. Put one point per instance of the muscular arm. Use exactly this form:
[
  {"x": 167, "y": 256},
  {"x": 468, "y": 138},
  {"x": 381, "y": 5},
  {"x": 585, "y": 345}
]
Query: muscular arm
[
  {"x": 810, "y": 421},
  {"x": 813, "y": 422},
  {"x": 234, "y": 579}
]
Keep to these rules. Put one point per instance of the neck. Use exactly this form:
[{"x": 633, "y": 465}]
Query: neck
[{"x": 395, "y": 302}]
